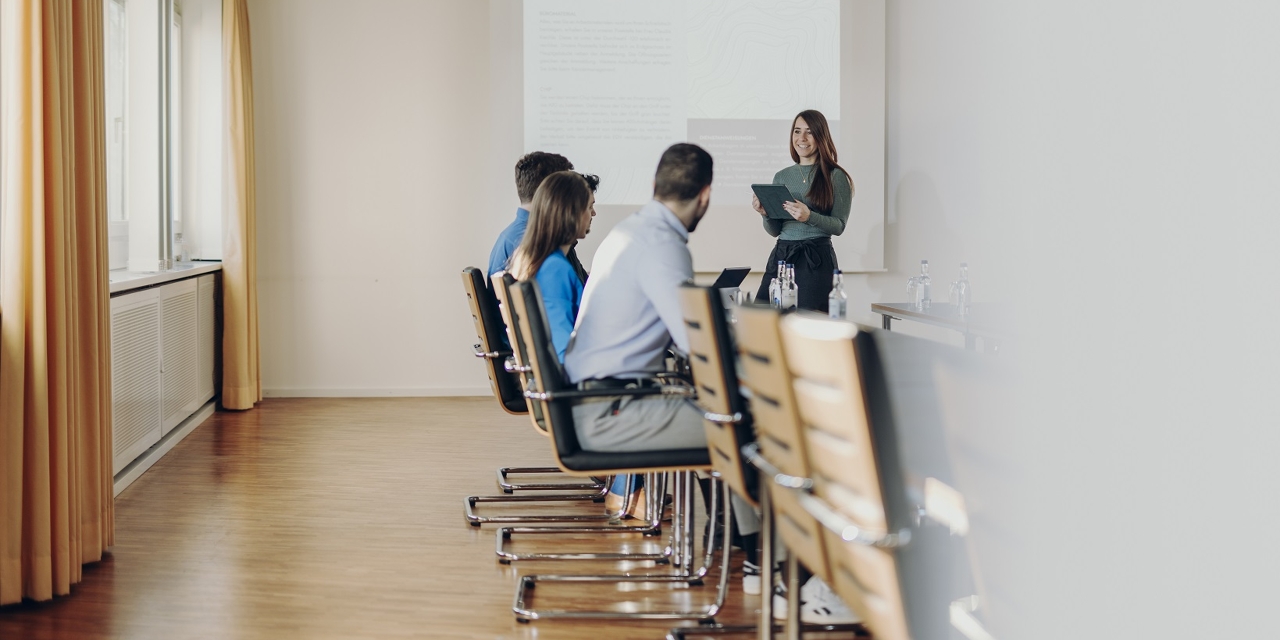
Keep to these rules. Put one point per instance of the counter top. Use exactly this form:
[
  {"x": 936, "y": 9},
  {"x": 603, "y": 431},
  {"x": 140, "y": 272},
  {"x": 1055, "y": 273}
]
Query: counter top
[{"x": 122, "y": 281}]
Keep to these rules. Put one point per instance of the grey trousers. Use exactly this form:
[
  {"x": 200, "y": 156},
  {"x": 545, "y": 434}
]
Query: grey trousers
[{"x": 631, "y": 423}]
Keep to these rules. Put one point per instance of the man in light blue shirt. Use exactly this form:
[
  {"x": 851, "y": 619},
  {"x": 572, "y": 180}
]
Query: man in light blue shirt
[{"x": 631, "y": 314}]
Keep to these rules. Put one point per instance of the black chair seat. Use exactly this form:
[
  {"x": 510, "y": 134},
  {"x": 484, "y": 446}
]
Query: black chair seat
[{"x": 663, "y": 459}]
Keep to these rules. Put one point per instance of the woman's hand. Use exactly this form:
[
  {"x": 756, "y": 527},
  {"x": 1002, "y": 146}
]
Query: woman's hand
[
  {"x": 798, "y": 210},
  {"x": 755, "y": 204}
]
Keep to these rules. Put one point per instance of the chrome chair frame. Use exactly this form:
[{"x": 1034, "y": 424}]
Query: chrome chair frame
[{"x": 554, "y": 395}]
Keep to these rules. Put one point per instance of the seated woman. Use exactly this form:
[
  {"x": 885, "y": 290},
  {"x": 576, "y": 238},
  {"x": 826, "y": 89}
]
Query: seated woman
[{"x": 559, "y": 215}]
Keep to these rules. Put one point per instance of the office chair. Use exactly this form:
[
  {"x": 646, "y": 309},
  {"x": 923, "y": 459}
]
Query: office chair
[
  {"x": 550, "y": 389},
  {"x": 503, "y": 283},
  {"x": 858, "y": 493},
  {"x": 506, "y": 386},
  {"x": 781, "y": 454}
]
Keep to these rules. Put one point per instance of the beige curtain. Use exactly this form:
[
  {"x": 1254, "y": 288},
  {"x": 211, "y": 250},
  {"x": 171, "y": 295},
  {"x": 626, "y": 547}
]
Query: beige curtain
[
  {"x": 241, "y": 386},
  {"x": 55, "y": 355}
]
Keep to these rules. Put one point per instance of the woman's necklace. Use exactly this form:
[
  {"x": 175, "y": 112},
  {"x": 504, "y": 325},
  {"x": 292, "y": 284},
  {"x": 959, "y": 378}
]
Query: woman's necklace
[{"x": 806, "y": 177}]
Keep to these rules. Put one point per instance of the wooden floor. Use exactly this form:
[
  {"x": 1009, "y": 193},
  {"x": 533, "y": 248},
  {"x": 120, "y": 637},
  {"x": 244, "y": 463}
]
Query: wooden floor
[{"x": 330, "y": 518}]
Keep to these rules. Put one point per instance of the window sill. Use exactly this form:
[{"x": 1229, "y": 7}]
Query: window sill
[{"x": 124, "y": 281}]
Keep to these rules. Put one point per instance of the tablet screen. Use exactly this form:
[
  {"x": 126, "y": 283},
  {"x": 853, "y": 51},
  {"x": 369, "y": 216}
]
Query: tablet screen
[{"x": 771, "y": 197}]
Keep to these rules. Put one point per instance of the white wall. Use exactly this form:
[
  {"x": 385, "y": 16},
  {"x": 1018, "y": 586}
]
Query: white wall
[
  {"x": 1112, "y": 167},
  {"x": 372, "y": 142}
]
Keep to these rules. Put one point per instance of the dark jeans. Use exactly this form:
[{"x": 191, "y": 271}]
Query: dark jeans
[{"x": 814, "y": 259}]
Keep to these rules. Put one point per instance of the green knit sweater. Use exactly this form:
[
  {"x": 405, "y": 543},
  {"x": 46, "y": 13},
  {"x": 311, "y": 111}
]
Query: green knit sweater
[{"x": 821, "y": 224}]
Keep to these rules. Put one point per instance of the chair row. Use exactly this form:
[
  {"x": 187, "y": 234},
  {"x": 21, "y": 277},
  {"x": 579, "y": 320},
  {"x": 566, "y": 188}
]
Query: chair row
[
  {"x": 786, "y": 396},
  {"x": 550, "y": 398}
]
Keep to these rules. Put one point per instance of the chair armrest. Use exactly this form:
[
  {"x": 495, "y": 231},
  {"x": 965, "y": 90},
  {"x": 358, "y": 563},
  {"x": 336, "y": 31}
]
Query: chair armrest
[
  {"x": 490, "y": 355},
  {"x": 568, "y": 394},
  {"x": 752, "y": 453},
  {"x": 511, "y": 366},
  {"x": 837, "y": 523}
]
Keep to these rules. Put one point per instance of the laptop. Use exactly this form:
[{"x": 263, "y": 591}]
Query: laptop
[{"x": 730, "y": 278}]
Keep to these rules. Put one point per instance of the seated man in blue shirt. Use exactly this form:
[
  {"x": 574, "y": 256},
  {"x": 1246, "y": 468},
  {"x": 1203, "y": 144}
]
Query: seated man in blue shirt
[
  {"x": 531, "y": 170},
  {"x": 630, "y": 314}
]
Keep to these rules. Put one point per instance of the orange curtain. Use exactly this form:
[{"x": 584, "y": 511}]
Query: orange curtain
[
  {"x": 241, "y": 384},
  {"x": 55, "y": 356}
]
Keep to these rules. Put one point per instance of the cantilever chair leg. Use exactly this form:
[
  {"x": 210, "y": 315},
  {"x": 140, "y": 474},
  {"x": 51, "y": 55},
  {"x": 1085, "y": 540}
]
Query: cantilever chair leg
[
  {"x": 685, "y": 576},
  {"x": 476, "y": 520},
  {"x": 505, "y": 484},
  {"x": 652, "y": 526},
  {"x": 684, "y": 633}
]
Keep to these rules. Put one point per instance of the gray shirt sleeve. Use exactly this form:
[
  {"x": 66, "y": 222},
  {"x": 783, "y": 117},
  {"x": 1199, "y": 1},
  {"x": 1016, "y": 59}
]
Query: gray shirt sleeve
[{"x": 834, "y": 222}]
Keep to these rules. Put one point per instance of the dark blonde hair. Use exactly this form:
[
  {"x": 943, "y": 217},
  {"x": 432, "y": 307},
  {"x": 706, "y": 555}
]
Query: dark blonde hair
[
  {"x": 555, "y": 215},
  {"x": 822, "y": 195}
]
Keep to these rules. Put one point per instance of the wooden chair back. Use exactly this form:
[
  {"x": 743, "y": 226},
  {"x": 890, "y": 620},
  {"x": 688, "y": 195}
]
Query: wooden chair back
[
  {"x": 712, "y": 358},
  {"x": 502, "y": 282},
  {"x": 829, "y": 389},
  {"x": 764, "y": 374},
  {"x": 491, "y": 347}
]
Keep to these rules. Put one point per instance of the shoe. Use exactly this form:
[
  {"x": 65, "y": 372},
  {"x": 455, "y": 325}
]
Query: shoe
[
  {"x": 616, "y": 506},
  {"x": 750, "y": 578},
  {"x": 818, "y": 605},
  {"x": 823, "y": 605},
  {"x": 780, "y": 604}
]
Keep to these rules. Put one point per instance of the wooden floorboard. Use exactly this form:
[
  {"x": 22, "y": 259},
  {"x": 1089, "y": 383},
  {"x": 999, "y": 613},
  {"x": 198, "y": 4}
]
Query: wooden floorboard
[{"x": 331, "y": 518}]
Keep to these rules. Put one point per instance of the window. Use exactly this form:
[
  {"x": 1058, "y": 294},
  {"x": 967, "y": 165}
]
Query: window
[
  {"x": 163, "y": 118},
  {"x": 116, "y": 61}
]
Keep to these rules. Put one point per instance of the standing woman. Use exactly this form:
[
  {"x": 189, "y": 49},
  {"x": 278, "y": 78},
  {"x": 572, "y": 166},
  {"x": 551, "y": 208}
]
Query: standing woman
[
  {"x": 823, "y": 193},
  {"x": 559, "y": 215}
]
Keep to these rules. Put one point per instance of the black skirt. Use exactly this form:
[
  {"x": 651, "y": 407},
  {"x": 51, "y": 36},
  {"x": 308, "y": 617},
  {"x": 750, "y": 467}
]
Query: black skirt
[{"x": 815, "y": 260}]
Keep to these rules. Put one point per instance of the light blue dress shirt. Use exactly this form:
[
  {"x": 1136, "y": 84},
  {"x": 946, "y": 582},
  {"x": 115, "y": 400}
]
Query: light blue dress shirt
[
  {"x": 561, "y": 297},
  {"x": 631, "y": 306},
  {"x": 507, "y": 242}
]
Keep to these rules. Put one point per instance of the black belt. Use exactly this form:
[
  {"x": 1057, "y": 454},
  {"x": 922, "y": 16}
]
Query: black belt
[{"x": 616, "y": 383}]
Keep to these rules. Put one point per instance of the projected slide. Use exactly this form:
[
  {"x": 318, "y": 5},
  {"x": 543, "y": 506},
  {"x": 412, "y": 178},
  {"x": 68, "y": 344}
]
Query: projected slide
[{"x": 610, "y": 84}]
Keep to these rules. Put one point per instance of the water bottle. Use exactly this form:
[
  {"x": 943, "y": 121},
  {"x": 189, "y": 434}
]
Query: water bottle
[
  {"x": 962, "y": 293},
  {"x": 837, "y": 302},
  {"x": 789, "y": 289},
  {"x": 922, "y": 301},
  {"x": 775, "y": 286}
]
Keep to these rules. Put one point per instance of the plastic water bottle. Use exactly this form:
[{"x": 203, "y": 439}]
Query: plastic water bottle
[
  {"x": 837, "y": 302},
  {"x": 925, "y": 285},
  {"x": 790, "y": 290},
  {"x": 775, "y": 286},
  {"x": 962, "y": 293}
]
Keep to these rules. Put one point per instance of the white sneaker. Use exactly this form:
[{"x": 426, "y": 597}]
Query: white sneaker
[
  {"x": 750, "y": 578},
  {"x": 818, "y": 604},
  {"x": 780, "y": 605},
  {"x": 823, "y": 606}
]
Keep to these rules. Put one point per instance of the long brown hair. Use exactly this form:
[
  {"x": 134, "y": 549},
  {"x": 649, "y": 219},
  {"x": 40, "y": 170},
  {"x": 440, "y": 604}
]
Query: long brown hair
[
  {"x": 821, "y": 196},
  {"x": 555, "y": 216}
]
